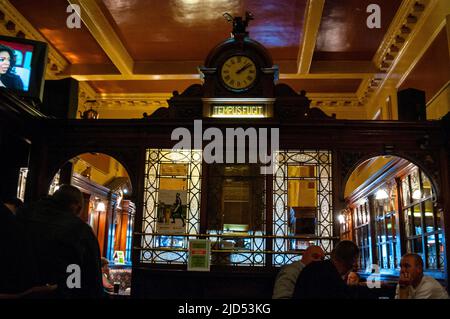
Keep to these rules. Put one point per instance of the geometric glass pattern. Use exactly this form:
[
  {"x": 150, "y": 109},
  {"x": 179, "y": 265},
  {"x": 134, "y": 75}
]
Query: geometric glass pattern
[
  {"x": 154, "y": 246},
  {"x": 321, "y": 163},
  {"x": 247, "y": 247}
]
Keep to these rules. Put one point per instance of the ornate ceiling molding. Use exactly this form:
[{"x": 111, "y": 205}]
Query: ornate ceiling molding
[
  {"x": 85, "y": 93},
  {"x": 394, "y": 57},
  {"x": 343, "y": 101},
  {"x": 123, "y": 101}
]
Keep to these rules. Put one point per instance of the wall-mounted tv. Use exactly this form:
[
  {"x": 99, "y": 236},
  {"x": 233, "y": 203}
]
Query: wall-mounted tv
[{"x": 22, "y": 66}]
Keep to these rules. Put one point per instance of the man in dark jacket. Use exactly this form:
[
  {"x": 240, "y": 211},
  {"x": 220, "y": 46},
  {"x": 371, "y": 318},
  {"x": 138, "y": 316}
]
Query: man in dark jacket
[
  {"x": 325, "y": 279},
  {"x": 64, "y": 244}
]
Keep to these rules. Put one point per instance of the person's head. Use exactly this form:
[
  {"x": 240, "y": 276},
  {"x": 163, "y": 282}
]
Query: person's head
[
  {"x": 105, "y": 265},
  {"x": 312, "y": 253},
  {"x": 69, "y": 198},
  {"x": 411, "y": 267},
  {"x": 345, "y": 256},
  {"x": 7, "y": 59},
  {"x": 13, "y": 204},
  {"x": 353, "y": 279}
]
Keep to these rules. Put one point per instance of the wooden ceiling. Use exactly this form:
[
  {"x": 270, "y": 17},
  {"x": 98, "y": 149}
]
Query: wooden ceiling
[{"x": 155, "y": 46}]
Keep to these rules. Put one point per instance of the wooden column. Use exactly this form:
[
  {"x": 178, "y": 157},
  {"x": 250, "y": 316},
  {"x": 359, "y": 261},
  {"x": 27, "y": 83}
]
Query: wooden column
[
  {"x": 372, "y": 230},
  {"x": 445, "y": 203},
  {"x": 138, "y": 182},
  {"x": 65, "y": 175},
  {"x": 38, "y": 180}
]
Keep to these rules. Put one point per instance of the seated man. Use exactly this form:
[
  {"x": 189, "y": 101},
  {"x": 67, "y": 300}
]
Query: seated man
[
  {"x": 324, "y": 279},
  {"x": 413, "y": 284},
  {"x": 60, "y": 241},
  {"x": 287, "y": 277}
]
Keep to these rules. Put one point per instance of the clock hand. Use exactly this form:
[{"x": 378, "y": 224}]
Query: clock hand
[{"x": 245, "y": 67}]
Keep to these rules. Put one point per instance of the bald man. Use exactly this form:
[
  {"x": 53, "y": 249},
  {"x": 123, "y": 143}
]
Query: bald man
[{"x": 287, "y": 277}]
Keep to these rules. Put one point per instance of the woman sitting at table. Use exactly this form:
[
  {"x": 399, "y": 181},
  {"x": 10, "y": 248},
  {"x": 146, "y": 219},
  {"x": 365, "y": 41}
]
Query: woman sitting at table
[{"x": 105, "y": 275}]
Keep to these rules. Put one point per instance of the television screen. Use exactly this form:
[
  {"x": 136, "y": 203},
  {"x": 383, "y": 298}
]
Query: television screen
[{"x": 22, "y": 66}]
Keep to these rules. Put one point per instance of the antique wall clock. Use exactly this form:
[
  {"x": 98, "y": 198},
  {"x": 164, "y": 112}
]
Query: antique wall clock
[{"x": 238, "y": 73}]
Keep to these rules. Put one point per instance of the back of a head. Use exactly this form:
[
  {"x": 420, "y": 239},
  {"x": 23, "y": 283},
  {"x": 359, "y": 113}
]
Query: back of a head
[
  {"x": 313, "y": 253},
  {"x": 104, "y": 261},
  {"x": 17, "y": 202},
  {"x": 67, "y": 196},
  {"x": 346, "y": 252}
]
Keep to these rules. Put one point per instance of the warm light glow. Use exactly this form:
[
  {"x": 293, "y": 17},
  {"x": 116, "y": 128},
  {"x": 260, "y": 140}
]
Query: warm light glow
[
  {"x": 417, "y": 194},
  {"x": 238, "y": 111},
  {"x": 101, "y": 207},
  {"x": 239, "y": 116},
  {"x": 381, "y": 194},
  {"x": 341, "y": 219}
]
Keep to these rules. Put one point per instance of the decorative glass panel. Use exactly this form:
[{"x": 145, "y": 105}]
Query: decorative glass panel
[
  {"x": 418, "y": 249},
  {"x": 415, "y": 186},
  {"x": 22, "y": 183},
  {"x": 408, "y": 221},
  {"x": 236, "y": 214},
  {"x": 441, "y": 251},
  {"x": 409, "y": 248},
  {"x": 432, "y": 261},
  {"x": 417, "y": 220},
  {"x": 303, "y": 179},
  {"x": 406, "y": 191},
  {"x": 171, "y": 204},
  {"x": 426, "y": 186},
  {"x": 429, "y": 220},
  {"x": 438, "y": 219},
  {"x": 55, "y": 184}
]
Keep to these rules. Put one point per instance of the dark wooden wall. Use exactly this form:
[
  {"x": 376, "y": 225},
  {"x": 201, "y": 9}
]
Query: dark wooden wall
[
  {"x": 351, "y": 143},
  {"x": 54, "y": 142}
]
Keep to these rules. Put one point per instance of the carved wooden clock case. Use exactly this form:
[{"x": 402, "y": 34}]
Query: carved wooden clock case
[{"x": 239, "y": 68}]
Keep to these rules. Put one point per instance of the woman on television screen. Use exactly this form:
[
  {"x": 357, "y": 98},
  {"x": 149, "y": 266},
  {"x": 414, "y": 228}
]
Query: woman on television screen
[{"x": 8, "y": 78}]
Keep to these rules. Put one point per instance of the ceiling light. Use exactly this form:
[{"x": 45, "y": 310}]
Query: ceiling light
[
  {"x": 101, "y": 207},
  {"x": 417, "y": 194},
  {"x": 381, "y": 194}
]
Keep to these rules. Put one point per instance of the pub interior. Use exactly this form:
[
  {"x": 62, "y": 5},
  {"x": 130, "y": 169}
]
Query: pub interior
[{"x": 344, "y": 111}]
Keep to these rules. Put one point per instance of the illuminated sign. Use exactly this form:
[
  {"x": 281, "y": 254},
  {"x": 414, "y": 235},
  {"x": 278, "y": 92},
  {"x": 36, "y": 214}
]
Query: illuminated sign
[
  {"x": 250, "y": 108},
  {"x": 199, "y": 255},
  {"x": 238, "y": 111},
  {"x": 119, "y": 257}
]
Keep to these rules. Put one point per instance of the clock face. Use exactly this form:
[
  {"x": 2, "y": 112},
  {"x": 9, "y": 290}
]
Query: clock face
[{"x": 238, "y": 73}]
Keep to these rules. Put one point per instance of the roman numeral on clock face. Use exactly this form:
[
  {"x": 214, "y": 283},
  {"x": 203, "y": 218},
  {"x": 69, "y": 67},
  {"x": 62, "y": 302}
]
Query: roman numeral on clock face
[{"x": 238, "y": 72}]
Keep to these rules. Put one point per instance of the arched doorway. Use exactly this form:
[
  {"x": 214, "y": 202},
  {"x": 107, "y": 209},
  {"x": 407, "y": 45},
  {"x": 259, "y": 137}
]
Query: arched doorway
[
  {"x": 390, "y": 211},
  {"x": 106, "y": 187}
]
